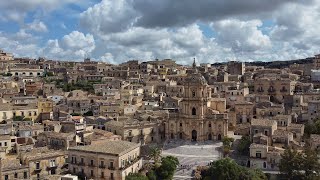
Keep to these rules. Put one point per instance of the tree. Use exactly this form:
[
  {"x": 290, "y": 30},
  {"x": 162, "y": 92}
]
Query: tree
[
  {"x": 89, "y": 113},
  {"x": 136, "y": 176},
  {"x": 18, "y": 118},
  {"x": 226, "y": 148},
  {"x": 151, "y": 175},
  {"x": 167, "y": 167},
  {"x": 312, "y": 128},
  {"x": 155, "y": 155},
  {"x": 311, "y": 165},
  {"x": 291, "y": 163},
  {"x": 228, "y": 169},
  {"x": 75, "y": 114},
  {"x": 243, "y": 147}
]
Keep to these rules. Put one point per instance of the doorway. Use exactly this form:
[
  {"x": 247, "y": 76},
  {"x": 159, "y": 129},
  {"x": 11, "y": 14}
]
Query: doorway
[
  {"x": 194, "y": 135},
  {"x": 180, "y": 135},
  {"x": 210, "y": 136},
  {"x": 219, "y": 137}
]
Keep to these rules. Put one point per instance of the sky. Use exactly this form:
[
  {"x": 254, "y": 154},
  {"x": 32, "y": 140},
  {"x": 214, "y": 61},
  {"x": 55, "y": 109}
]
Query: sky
[{"x": 116, "y": 31}]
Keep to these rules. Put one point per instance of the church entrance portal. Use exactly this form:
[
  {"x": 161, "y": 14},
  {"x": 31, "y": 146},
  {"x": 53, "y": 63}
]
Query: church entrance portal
[
  {"x": 219, "y": 137},
  {"x": 194, "y": 135}
]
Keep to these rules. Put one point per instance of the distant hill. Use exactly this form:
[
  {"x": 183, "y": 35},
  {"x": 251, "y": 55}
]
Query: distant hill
[{"x": 274, "y": 64}]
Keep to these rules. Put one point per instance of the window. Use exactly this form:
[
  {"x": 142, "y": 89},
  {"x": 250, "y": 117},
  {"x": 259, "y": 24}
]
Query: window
[
  {"x": 91, "y": 162},
  {"x": 74, "y": 170},
  {"x": 91, "y": 173},
  {"x": 25, "y": 175},
  {"x": 111, "y": 164},
  {"x": 111, "y": 175},
  {"x": 5, "y": 143},
  {"x": 6, "y": 177},
  {"x": 210, "y": 125},
  {"x": 266, "y": 132},
  {"x": 102, "y": 174},
  {"x": 81, "y": 161},
  {"x": 15, "y": 175},
  {"x": 37, "y": 165},
  {"x": 52, "y": 163},
  {"x": 258, "y": 155},
  {"x": 193, "y": 94},
  {"x": 194, "y": 111},
  {"x": 180, "y": 124},
  {"x": 256, "y": 131}
]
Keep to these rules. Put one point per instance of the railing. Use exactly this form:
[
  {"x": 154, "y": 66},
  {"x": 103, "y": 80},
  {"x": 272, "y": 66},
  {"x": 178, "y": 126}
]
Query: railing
[
  {"x": 260, "y": 90},
  {"x": 111, "y": 168},
  {"x": 128, "y": 164},
  {"x": 271, "y": 90},
  {"x": 81, "y": 164},
  {"x": 283, "y": 90},
  {"x": 91, "y": 165},
  {"x": 102, "y": 166}
]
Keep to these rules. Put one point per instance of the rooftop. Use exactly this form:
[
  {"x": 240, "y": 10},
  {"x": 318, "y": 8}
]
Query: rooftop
[
  {"x": 263, "y": 122},
  {"x": 108, "y": 147}
]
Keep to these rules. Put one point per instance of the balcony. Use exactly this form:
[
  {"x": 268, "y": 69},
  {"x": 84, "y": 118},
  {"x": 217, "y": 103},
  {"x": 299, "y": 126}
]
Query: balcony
[
  {"x": 81, "y": 164},
  {"x": 102, "y": 166},
  {"x": 260, "y": 90},
  {"x": 283, "y": 90},
  {"x": 141, "y": 135},
  {"x": 111, "y": 168},
  {"x": 271, "y": 90},
  {"x": 91, "y": 165},
  {"x": 37, "y": 170},
  {"x": 129, "y": 163},
  {"x": 52, "y": 167}
]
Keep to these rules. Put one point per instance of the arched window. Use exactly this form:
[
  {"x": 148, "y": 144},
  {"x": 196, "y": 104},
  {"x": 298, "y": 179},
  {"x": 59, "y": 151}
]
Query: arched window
[
  {"x": 194, "y": 111},
  {"x": 193, "y": 94}
]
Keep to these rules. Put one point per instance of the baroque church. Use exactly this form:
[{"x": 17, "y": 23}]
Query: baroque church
[{"x": 200, "y": 117}]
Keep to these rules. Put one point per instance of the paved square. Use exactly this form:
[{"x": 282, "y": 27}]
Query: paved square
[{"x": 191, "y": 154}]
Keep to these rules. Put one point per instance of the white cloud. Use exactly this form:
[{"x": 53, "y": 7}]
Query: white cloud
[
  {"x": 19, "y": 48},
  {"x": 108, "y": 16},
  {"x": 241, "y": 36},
  {"x": 74, "y": 46},
  {"x": 37, "y": 26},
  {"x": 17, "y": 10}
]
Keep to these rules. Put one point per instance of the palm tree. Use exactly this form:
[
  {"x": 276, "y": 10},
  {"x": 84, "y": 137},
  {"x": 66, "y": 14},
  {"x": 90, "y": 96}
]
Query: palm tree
[{"x": 155, "y": 155}]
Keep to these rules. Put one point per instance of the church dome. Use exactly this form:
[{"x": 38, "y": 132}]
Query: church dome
[{"x": 196, "y": 79}]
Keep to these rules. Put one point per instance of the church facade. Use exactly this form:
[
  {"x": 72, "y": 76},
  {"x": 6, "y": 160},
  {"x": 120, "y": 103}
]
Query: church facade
[{"x": 200, "y": 117}]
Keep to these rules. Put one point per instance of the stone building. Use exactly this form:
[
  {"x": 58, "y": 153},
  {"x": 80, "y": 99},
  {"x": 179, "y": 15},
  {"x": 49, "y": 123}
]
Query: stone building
[
  {"x": 276, "y": 88},
  {"x": 200, "y": 116},
  {"x": 112, "y": 160},
  {"x": 43, "y": 162},
  {"x": 236, "y": 68}
]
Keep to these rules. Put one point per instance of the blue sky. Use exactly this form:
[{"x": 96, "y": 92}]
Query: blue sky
[{"x": 117, "y": 31}]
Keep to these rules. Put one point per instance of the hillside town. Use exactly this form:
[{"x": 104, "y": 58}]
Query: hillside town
[{"x": 95, "y": 120}]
